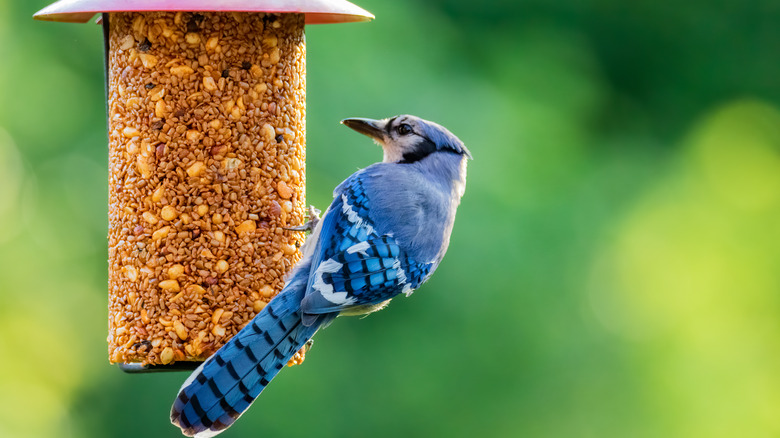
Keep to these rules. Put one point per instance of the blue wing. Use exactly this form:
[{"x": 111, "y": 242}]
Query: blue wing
[{"x": 357, "y": 264}]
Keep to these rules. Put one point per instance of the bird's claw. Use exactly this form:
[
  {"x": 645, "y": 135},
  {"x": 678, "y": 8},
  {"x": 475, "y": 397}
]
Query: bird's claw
[{"x": 311, "y": 224}]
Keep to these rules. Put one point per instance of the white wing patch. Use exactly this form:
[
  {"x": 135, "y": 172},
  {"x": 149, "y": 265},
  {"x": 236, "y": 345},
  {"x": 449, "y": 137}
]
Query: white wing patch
[
  {"x": 401, "y": 276},
  {"x": 359, "y": 248},
  {"x": 407, "y": 290},
  {"x": 326, "y": 290},
  {"x": 353, "y": 217},
  {"x": 208, "y": 433}
]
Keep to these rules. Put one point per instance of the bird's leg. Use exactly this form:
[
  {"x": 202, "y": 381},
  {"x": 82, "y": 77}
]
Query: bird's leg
[
  {"x": 311, "y": 224},
  {"x": 300, "y": 356}
]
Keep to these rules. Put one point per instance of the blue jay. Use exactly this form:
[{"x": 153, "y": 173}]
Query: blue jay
[{"x": 384, "y": 234}]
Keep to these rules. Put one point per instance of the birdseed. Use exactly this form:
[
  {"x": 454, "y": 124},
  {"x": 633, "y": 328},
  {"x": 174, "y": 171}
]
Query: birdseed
[{"x": 206, "y": 144}]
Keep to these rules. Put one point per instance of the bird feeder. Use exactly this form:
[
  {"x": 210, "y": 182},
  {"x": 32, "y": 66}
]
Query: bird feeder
[{"x": 206, "y": 155}]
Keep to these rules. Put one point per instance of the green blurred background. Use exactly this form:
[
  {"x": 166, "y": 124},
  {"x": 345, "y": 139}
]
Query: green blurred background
[{"x": 615, "y": 266}]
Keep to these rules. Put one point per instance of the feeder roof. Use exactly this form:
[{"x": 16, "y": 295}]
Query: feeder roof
[{"x": 317, "y": 11}]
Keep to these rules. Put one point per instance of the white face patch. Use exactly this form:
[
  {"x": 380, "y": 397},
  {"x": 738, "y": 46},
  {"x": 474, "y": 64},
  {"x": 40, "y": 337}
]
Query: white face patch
[{"x": 395, "y": 147}]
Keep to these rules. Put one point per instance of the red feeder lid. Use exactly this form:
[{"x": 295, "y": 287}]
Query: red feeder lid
[{"x": 317, "y": 11}]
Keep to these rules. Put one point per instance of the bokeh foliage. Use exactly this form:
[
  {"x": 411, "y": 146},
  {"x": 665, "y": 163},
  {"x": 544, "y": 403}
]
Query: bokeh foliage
[{"x": 614, "y": 267}]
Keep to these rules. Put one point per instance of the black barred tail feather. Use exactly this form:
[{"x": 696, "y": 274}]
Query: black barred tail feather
[{"x": 224, "y": 386}]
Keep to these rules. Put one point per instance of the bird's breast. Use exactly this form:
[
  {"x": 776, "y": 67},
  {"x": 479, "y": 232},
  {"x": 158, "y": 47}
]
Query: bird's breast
[{"x": 364, "y": 310}]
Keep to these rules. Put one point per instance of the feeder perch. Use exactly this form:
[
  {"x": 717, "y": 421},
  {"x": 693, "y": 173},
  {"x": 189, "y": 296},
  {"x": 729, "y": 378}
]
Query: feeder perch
[{"x": 206, "y": 135}]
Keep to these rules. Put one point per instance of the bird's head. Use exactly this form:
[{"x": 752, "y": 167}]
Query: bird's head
[{"x": 407, "y": 139}]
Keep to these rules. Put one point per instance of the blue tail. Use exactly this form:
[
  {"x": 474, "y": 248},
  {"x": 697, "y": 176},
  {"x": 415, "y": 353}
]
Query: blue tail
[{"x": 224, "y": 386}]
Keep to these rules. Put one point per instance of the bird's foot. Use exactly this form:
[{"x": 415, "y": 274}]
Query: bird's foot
[
  {"x": 313, "y": 219},
  {"x": 311, "y": 224},
  {"x": 300, "y": 356}
]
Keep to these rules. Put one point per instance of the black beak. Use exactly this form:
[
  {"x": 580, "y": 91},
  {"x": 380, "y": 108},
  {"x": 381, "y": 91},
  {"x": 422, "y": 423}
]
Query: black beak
[{"x": 372, "y": 128}]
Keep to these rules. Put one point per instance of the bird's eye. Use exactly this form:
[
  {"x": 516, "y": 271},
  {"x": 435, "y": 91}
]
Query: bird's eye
[{"x": 404, "y": 129}]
